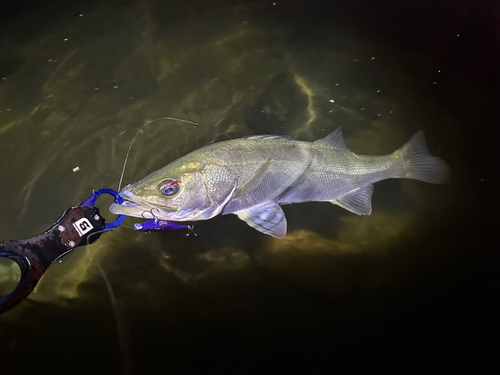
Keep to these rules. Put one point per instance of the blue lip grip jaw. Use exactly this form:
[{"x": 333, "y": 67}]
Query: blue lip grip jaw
[{"x": 90, "y": 201}]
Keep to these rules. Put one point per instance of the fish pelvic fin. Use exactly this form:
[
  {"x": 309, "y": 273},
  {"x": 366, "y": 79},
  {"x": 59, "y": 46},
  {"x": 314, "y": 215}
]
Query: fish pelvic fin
[
  {"x": 419, "y": 164},
  {"x": 267, "y": 218},
  {"x": 358, "y": 201}
]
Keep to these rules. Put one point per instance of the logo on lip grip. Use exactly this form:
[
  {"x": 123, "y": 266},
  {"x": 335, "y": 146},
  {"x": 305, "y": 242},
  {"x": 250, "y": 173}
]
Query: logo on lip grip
[{"x": 83, "y": 226}]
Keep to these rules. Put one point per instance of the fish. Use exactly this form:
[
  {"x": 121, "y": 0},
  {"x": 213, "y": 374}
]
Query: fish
[{"x": 253, "y": 176}]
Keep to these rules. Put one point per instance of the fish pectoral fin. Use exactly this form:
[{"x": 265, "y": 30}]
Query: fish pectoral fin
[
  {"x": 267, "y": 218},
  {"x": 269, "y": 180},
  {"x": 358, "y": 201},
  {"x": 254, "y": 181}
]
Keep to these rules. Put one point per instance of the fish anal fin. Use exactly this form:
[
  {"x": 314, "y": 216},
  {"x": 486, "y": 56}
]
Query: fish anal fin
[
  {"x": 335, "y": 140},
  {"x": 358, "y": 201},
  {"x": 267, "y": 218}
]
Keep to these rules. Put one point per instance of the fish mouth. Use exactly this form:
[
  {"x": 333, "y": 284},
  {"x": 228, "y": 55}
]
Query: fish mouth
[{"x": 136, "y": 207}]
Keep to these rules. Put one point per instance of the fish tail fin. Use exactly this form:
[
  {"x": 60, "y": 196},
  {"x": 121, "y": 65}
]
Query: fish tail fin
[{"x": 419, "y": 164}]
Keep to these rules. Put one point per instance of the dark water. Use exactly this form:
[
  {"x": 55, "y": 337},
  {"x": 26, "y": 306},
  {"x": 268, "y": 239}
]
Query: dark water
[{"x": 413, "y": 286}]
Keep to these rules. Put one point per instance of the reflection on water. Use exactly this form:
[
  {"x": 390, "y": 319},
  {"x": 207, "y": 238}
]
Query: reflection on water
[{"x": 74, "y": 91}]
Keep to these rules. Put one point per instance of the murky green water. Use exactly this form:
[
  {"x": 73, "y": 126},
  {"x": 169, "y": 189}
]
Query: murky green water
[{"x": 402, "y": 288}]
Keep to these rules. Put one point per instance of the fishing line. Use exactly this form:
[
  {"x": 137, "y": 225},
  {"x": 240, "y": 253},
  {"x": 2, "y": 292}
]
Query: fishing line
[
  {"x": 121, "y": 325},
  {"x": 93, "y": 234},
  {"x": 136, "y": 134}
]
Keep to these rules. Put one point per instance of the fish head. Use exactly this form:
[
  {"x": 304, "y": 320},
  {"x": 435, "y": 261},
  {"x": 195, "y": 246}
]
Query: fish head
[{"x": 178, "y": 193}]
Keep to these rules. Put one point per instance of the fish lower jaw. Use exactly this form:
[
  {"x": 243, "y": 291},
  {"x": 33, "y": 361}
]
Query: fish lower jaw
[{"x": 143, "y": 211}]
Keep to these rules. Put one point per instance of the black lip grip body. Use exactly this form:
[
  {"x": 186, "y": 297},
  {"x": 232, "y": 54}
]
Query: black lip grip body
[{"x": 79, "y": 226}]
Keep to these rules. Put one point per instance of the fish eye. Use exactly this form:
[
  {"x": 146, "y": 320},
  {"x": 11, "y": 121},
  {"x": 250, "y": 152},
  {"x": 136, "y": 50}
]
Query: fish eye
[{"x": 169, "y": 187}]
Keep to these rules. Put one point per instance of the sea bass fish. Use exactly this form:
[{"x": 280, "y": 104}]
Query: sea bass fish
[{"x": 252, "y": 176}]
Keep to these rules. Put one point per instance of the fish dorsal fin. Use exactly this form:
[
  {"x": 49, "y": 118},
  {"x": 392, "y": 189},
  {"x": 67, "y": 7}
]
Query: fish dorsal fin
[
  {"x": 267, "y": 218},
  {"x": 358, "y": 201},
  {"x": 335, "y": 139},
  {"x": 269, "y": 136},
  {"x": 269, "y": 180}
]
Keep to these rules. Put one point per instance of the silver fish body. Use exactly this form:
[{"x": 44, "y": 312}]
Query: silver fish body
[{"x": 252, "y": 176}]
